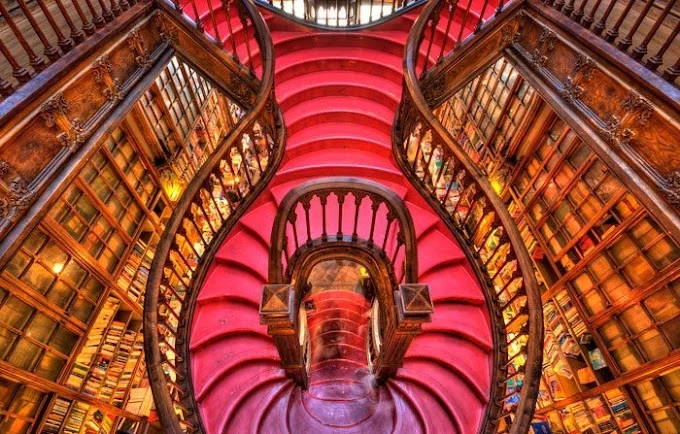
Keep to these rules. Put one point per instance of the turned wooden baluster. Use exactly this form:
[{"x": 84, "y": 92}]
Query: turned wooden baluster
[
  {"x": 449, "y": 20},
  {"x": 98, "y": 21},
  {"x": 459, "y": 39},
  {"x": 655, "y": 61},
  {"x": 226, "y": 7},
  {"x": 641, "y": 50},
  {"x": 613, "y": 33},
  {"x": 480, "y": 20},
  {"x": 77, "y": 35},
  {"x": 590, "y": 18},
  {"x": 116, "y": 9},
  {"x": 672, "y": 72},
  {"x": 50, "y": 52},
  {"x": 36, "y": 62},
  {"x": 580, "y": 12},
  {"x": 218, "y": 40},
  {"x": 627, "y": 41},
  {"x": 602, "y": 24},
  {"x": 197, "y": 17},
  {"x": 107, "y": 14},
  {"x": 64, "y": 44},
  {"x": 243, "y": 16},
  {"x": 6, "y": 88},
  {"x": 87, "y": 27}
]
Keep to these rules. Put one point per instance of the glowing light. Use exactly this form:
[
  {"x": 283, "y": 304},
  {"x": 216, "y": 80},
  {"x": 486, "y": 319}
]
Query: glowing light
[
  {"x": 58, "y": 267},
  {"x": 172, "y": 185}
]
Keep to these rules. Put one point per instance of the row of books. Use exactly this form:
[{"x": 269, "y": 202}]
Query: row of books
[
  {"x": 94, "y": 340},
  {"x": 571, "y": 314},
  {"x": 55, "y": 419},
  {"x": 135, "y": 273},
  {"x": 568, "y": 345}
]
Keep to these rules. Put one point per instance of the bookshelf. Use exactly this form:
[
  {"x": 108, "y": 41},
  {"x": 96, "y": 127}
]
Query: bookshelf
[
  {"x": 72, "y": 291},
  {"x": 608, "y": 272}
]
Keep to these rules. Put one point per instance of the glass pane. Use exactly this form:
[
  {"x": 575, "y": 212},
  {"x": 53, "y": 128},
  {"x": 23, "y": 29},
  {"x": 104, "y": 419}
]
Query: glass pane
[
  {"x": 41, "y": 328},
  {"x": 24, "y": 355}
]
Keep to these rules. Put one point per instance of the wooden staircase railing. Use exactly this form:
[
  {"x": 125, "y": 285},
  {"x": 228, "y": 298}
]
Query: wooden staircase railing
[
  {"x": 340, "y": 14},
  {"x": 646, "y": 31},
  {"x": 230, "y": 180},
  {"x": 345, "y": 218},
  {"x": 439, "y": 168}
]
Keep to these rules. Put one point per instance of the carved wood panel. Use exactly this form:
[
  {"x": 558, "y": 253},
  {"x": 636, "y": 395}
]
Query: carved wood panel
[
  {"x": 637, "y": 129},
  {"x": 35, "y": 144}
]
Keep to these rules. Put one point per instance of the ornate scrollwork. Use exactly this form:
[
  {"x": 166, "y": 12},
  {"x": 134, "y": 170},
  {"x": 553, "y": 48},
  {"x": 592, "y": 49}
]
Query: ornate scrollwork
[
  {"x": 639, "y": 106},
  {"x": 19, "y": 198},
  {"x": 582, "y": 73},
  {"x": 671, "y": 189},
  {"x": 167, "y": 31},
  {"x": 4, "y": 167},
  {"x": 546, "y": 44},
  {"x": 55, "y": 106},
  {"x": 136, "y": 44},
  {"x": 241, "y": 91},
  {"x": 54, "y": 113},
  {"x": 102, "y": 69}
]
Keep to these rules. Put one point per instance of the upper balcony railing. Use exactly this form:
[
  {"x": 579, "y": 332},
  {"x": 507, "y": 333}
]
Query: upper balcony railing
[
  {"x": 229, "y": 181},
  {"x": 37, "y": 33},
  {"x": 340, "y": 14},
  {"x": 647, "y": 31},
  {"x": 439, "y": 167}
]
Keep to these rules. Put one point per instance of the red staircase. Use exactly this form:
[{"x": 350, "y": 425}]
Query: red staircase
[{"x": 338, "y": 92}]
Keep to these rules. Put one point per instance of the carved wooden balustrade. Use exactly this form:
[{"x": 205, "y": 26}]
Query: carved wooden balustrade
[
  {"x": 646, "y": 31},
  {"x": 345, "y": 218},
  {"x": 340, "y": 14},
  {"x": 437, "y": 165},
  {"x": 229, "y": 181},
  {"x": 36, "y": 34}
]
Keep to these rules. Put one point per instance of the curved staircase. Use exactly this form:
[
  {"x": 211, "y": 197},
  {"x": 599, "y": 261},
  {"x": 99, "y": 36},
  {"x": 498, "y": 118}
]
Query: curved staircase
[{"x": 338, "y": 92}]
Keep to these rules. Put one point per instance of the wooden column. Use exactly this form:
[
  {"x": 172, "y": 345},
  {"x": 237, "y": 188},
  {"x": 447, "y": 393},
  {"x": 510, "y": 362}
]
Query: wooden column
[
  {"x": 278, "y": 310},
  {"x": 413, "y": 307}
]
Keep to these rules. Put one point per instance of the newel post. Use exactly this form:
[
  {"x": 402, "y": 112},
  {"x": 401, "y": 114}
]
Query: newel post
[
  {"x": 413, "y": 307},
  {"x": 278, "y": 310}
]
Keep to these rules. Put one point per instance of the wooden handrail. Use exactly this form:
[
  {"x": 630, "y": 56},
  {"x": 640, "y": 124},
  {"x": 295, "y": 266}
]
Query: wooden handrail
[
  {"x": 342, "y": 14},
  {"x": 439, "y": 168},
  {"x": 227, "y": 184}
]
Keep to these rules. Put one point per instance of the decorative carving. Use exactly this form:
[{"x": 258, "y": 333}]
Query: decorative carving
[
  {"x": 18, "y": 199},
  {"x": 511, "y": 31},
  {"x": 640, "y": 106},
  {"x": 53, "y": 108},
  {"x": 637, "y": 112},
  {"x": 54, "y": 113},
  {"x": 582, "y": 73},
  {"x": 102, "y": 68},
  {"x": 136, "y": 44},
  {"x": 4, "y": 167},
  {"x": 435, "y": 89},
  {"x": 167, "y": 31},
  {"x": 241, "y": 91},
  {"x": 546, "y": 44},
  {"x": 671, "y": 189}
]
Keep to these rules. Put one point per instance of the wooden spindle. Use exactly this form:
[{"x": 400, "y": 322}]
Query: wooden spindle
[
  {"x": 125, "y": 4},
  {"x": 197, "y": 17},
  {"x": 243, "y": 16},
  {"x": 459, "y": 39},
  {"x": 98, "y": 21},
  {"x": 87, "y": 26},
  {"x": 218, "y": 40},
  {"x": 641, "y": 50},
  {"x": 449, "y": 20},
  {"x": 36, "y": 62},
  {"x": 671, "y": 73},
  {"x": 65, "y": 44},
  {"x": 115, "y": 8},
  {"x": 358, "y": 198},
  {"x": 501, "y": 6},
  {"x": 50, "y": 52},
  {"x": 613, "y": 32},
  {"x": 590, "y": 18},
  {"x": 568, "y": 8},
  {"x": 226, "y": 7},
  {"x": 578, "y": 13},
  {"x": 107, "y": 14},
  {"x": 655, "y": 61},
  {"x": 323, "y": 198},
  {"x": 6, "y": 88},
  {"x": 77, "y": 35},
  {"x": 341, "y": 205},
  {"x": 627, "y": 41},
  {"x": 558, "y": 5},
  {"x": 433, "y": 31},
  {"x": 480, "y": 20},
  {"x": 375, "y": 205},
  {"x": 602, "y": 24}
]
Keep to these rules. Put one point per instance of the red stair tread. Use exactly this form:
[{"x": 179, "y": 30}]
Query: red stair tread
[{"x": 338, "y": 92}]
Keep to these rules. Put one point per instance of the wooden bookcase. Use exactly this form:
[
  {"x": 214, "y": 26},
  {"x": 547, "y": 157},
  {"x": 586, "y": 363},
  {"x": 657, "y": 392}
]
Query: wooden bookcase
[
  {"x": 72, "y": 294},
  {"x": 608, "y": 271}
]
